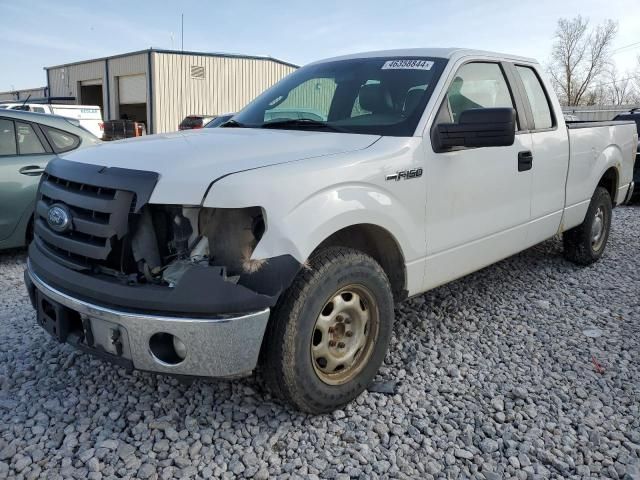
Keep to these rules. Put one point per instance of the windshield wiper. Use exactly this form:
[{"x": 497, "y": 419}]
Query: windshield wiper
[
  {"x": 232, "y": 124},
  {"x": 302, "y": 123}
]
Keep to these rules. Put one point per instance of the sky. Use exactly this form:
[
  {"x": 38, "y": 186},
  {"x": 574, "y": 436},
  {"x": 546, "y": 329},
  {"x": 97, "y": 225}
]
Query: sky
[{"x": 39, "y": 33}]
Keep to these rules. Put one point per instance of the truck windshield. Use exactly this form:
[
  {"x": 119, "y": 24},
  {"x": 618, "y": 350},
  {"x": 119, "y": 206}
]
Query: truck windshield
[{"x": 379, "y": 96}]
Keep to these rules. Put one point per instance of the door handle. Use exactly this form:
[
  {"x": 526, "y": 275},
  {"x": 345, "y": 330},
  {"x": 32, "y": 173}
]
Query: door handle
[
  {"x": 525, "y": 161},
  {"x": 31, "y": 170}
]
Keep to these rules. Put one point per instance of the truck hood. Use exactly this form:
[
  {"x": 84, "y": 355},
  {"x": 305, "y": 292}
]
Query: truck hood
[{"x": 188, "y": 162}]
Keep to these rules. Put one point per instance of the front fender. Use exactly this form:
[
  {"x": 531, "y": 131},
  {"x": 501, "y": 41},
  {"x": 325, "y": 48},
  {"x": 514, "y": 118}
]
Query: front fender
[
  {"x": 323, "y": 213},
  {"x": 306, "y": 202}
]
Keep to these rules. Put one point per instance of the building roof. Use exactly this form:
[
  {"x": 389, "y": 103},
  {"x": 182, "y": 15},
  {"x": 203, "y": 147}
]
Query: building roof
[{"x": 178, "y": 52}]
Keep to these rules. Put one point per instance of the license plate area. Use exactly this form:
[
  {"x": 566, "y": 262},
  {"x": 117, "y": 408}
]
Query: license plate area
[{"x": 57, "y": 319}]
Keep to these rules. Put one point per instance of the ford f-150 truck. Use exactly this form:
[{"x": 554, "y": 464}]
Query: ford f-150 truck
[{"x": 283, "y": 239}]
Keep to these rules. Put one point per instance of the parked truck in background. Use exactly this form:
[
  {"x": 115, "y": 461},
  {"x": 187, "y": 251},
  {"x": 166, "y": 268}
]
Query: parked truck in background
[
  {"x": 89, "y": 117},
  {"x": 284, "y": 238},
  {"x": 634, "y": 116}
]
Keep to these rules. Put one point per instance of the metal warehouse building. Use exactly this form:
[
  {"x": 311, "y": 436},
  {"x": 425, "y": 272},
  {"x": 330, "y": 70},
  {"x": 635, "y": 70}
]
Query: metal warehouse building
[
  {"x": 22, "y": 95},
  {"x": 161, "y": 87}
]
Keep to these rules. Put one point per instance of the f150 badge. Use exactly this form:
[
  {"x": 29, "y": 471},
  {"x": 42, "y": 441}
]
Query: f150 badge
[{"x": 405, "y": 174}]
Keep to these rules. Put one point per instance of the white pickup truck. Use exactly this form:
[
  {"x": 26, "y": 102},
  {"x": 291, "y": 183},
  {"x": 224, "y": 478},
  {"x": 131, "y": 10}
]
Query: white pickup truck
[
  {"x": 284, "y": 238},
  {"x": 88, "y": 117}
]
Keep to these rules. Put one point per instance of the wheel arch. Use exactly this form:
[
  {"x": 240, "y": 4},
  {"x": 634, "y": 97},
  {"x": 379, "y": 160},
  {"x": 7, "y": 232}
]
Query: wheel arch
[
  {"x": 378, "y": 243},
  {"x": 609, "y": 180}
]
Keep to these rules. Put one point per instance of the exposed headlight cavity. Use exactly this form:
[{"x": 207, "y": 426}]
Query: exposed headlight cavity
[{"x": 170, "y": 239}]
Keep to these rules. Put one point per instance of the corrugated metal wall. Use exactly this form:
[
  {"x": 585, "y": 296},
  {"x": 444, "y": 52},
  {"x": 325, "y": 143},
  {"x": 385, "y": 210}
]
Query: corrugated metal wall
[
  {"x": 63, "y": 81},
  {"x": 23, "y": 94},
  {"x": 120, "y": 67},
  {"x": 597, "y": 112},
  {"x": 228, "y": 85}
]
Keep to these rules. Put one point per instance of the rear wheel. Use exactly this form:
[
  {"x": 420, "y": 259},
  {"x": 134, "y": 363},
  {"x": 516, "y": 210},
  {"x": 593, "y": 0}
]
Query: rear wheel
[
  {"x": 330, "y": 331},
  {"x": 585, "y": 243}
]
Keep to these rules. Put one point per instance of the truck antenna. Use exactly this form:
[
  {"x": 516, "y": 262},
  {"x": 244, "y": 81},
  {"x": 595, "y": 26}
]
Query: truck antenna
[{"x": 25, "y": 101}]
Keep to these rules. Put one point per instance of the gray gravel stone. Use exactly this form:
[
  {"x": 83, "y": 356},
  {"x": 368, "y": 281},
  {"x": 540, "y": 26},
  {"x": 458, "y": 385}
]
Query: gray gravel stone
[
  {"x": 146, "y": 470},
  {"x": 462, "y": 453},
  {"x": 489, "y": 445},
  {"x": 490, "y": 376}
]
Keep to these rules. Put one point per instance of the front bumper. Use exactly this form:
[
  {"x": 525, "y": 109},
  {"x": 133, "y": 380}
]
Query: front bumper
[
  {"x": 215, "y": 347},
  {"x": 200, "y": 292}
]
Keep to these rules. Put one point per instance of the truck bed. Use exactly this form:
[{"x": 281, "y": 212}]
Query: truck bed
[
  {"x": 590, "y": 124},
  {"x": 591, "y": 146}
]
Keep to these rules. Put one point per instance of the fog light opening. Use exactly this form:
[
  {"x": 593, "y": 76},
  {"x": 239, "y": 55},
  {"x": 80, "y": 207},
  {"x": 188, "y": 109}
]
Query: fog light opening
[{"x": 167, "y": 348}]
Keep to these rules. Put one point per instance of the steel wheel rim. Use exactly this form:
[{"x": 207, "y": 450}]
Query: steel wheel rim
[
  {"x": 344, "y": 334},
  {"x": 598, "y": 229}
]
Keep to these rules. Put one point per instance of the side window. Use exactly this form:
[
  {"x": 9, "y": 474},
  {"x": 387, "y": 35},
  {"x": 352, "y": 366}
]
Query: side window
[
  {"x": 28, "y": 141},
  {"x": 310, "y": 100},
  {"x": 7, "y": 138},
  {"x": 537, "y": 98},
  {"x": 477, "y": 85},
  {"x": 62, "y": 141}
]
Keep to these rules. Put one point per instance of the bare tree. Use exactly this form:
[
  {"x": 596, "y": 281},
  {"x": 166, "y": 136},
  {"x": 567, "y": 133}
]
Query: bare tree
[
  {"x": 580, "y": 56},
  {"x": 619, "y": 90}
]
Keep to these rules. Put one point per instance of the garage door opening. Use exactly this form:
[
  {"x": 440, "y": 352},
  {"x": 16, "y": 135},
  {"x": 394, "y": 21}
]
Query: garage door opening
[
  {"x": 91, "y": 95},
  {"x": 132, "y": 98}
]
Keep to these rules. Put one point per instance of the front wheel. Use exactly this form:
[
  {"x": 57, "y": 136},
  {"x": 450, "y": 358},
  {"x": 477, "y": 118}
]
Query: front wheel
[
  {"x": 585, "y": 243},
  {"x": 330, "y": 331}
]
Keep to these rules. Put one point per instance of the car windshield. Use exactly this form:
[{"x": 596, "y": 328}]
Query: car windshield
[
  {"x": 216, "y": 122},
  {"x": 379, "y": 96}
]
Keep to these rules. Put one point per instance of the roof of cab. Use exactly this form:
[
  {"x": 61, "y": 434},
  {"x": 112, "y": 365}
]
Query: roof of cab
[{"x": 448, "y": 53}]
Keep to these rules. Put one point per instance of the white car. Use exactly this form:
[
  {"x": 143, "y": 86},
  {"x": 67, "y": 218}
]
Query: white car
[
  {"x": 287, "y": 241},
  {"x": 88, "y": 116}
]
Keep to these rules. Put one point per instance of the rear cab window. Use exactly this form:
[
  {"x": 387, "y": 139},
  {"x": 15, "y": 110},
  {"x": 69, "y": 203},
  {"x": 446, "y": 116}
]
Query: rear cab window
[{"x": 538, "y": 100}]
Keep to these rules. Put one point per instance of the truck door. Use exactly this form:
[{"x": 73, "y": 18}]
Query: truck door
[
  {"x": 550, "y": 156},
  {"x": 478, "y": 199},
  {"x": 23, "y": 156}
]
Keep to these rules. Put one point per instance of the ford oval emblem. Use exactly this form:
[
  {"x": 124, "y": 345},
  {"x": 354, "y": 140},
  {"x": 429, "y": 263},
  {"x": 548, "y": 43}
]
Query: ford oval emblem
[{"x": 59, "y": 218}]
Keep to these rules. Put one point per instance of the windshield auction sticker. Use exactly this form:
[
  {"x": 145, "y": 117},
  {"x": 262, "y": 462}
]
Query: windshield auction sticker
[{"x": 407, "y": 65}]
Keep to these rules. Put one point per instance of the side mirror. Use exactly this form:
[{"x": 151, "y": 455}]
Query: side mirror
[{"x": 477, "y": 127}]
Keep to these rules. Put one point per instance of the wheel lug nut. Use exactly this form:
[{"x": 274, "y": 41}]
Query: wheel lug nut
[
  {"x": 339, "y": 318},
  {"x": 341, "y": 345},
  {"x": 332, "y": 343},
  {"x": 349, "y": 333}
]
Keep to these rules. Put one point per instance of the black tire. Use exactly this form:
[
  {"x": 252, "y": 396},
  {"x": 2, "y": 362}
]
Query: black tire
[
  {"x": 579, "y": 245},
  {"x": 289, "y": 370}
]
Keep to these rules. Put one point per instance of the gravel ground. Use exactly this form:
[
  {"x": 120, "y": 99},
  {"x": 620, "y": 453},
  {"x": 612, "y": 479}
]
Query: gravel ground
[{"x": 527, "y": 369}]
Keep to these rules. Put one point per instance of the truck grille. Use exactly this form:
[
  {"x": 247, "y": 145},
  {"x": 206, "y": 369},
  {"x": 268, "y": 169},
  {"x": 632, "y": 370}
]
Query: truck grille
[
  {"x": 99, "y": 219},
  {"x": 102, "y": 203}
]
